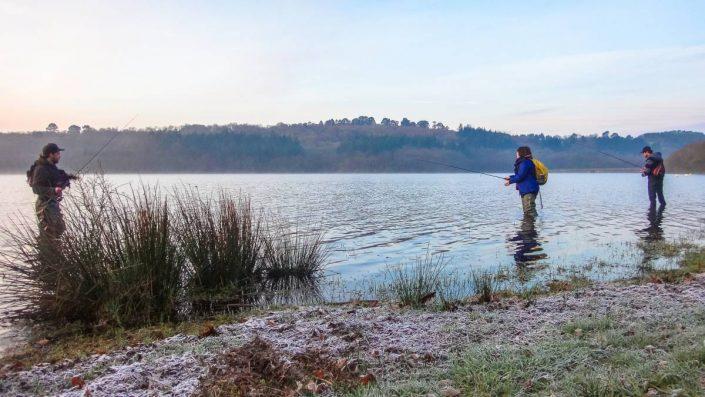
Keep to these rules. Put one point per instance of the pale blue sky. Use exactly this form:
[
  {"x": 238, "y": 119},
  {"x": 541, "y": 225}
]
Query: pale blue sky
[{"x": 521, "y": 66}]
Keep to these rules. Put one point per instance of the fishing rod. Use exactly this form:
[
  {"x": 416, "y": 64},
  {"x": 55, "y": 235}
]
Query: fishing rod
[
  {"x": 460, "y": 168},
  {"x": 112, "y": 138},
  {"x": 620, "y": 159}
]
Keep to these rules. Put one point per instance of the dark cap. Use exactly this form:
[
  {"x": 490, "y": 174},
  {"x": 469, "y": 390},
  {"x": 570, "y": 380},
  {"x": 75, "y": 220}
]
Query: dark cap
[
  {"x": 647, "y": 149},
  {"x": 50, "y": 148}
]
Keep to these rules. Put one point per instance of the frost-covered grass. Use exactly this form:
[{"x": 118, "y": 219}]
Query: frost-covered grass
[{"x": 598, "y": 356}]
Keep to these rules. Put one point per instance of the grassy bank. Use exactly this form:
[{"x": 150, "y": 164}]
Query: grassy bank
[
  {"x": 424, "y": 284},
  {"x": 600, "y": 356}
]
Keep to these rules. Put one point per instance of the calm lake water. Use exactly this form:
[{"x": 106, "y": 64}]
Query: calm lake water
[
  {"x": 375, "y": 220},
  {"x": 372, "y": 221}
]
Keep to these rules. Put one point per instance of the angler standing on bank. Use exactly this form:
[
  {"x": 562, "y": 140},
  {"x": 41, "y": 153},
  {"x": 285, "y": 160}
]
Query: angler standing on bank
[
  {"x": 48, "y": 182},
  {"x": 655, "y": 171}
]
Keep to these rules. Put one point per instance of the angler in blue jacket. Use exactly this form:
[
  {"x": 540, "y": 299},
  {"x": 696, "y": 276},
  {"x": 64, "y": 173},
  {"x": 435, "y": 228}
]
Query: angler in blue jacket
[{"x": 525, "y": 179}]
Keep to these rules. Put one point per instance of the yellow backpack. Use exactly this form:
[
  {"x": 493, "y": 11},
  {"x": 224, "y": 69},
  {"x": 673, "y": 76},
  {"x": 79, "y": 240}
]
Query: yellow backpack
[{"x": 541, "y": 172}]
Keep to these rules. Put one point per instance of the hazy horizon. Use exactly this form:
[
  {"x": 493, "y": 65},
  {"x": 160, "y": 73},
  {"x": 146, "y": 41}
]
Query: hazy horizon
[
  {"x": 519, "y": 67},
  {"x": 131, "y": 126}
]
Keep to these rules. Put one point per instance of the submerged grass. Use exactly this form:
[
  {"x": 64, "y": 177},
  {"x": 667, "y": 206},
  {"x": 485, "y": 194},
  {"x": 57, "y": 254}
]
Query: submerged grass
[
  {"x": 223, "y": 241},
  {"x": 294, "y": 262}
]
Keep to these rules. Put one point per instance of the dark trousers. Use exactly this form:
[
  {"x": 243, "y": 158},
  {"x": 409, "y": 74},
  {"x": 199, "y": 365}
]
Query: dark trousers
[{"x": 656, "y": 189}]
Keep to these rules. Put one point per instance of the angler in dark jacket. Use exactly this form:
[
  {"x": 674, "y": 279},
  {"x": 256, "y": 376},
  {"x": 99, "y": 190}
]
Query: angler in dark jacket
[
  {"x": 655, "y": 171},
  {"x": 48, "y": 182},
  {"x": 525, "y": 179}
]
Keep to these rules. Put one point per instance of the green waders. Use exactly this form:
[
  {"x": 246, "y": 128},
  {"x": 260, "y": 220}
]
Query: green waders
[
  {"x": 51, "y": 221},
  {"x": 528, "y": 203}
]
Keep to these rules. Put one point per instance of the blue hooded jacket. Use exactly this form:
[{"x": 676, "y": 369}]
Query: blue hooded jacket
[{"x": 525, "y": 176}]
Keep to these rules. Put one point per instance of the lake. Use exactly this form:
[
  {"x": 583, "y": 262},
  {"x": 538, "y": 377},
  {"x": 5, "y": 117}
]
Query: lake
[{"x": 373, "y": 221}]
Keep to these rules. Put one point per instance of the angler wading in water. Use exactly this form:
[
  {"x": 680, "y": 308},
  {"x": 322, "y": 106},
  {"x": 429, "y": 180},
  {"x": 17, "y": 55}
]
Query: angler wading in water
[
  {"x": 526, "y": 181},
  {"x": 655, "y": 171},
  {"x": 48, "y": 183}
]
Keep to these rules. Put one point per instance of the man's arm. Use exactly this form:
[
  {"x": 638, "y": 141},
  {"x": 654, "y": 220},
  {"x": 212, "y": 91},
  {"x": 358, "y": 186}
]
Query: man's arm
[{"x": 648, "y": 167}]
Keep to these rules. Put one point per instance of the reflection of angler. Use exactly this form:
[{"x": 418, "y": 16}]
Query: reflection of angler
[
  {"x": 528, "y": 248},
  {"x": 651, "y": 235},
  {"x": 654, "y": 232}
]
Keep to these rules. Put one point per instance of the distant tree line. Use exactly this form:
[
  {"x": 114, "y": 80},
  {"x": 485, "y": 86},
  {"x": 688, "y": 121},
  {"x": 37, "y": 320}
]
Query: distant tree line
[
  {"x": 360, "y": 144},
  {"x": 688, "y": 159}
]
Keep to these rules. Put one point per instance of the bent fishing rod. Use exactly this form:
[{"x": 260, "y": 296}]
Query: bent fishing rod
[
  {"x": 461, "y": 168},
  {"x": 112, "y": 138},
  {"x": 620, "y": 159}
]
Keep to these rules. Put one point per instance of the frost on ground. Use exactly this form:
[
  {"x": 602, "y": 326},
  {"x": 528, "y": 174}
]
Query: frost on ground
[{"x": 390, "y": 342}]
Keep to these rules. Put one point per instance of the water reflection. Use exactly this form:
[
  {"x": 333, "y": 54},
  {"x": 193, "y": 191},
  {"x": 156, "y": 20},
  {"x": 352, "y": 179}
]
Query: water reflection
[
  {"x": 526, "y": 244},
  {"x": 652, "y": 234}
]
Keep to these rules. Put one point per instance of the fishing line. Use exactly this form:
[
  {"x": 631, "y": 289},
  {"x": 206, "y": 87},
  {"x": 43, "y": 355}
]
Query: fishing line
[
  {"x": 460, "y": 168},
  {"x": 620, "y": 159},
  {"x": 112, "y": 138}
]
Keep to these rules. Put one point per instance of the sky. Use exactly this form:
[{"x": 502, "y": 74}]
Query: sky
[{"x": 556, "y": 67}]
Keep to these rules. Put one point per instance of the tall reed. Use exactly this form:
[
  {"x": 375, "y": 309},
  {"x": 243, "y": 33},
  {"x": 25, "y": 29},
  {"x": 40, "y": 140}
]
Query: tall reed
[
  {"x": 138, "y": 257},
  {"x": 416, "y": 283},
  {"x": 222, "y": 239},
  {"x": 293, "y": 263},
  {"x": 116, "y": 262}
]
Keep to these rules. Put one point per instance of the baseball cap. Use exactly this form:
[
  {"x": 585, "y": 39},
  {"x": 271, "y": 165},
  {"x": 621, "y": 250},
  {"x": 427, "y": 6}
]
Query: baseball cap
[{"x": 50, "y": 148}]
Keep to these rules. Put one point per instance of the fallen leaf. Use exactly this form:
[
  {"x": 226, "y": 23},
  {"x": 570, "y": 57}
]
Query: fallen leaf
[
  {"x": 319, "y": 374},
  {"x": 341, "y": 363},
  {"x": 367, "y": 379},
  {"x": 207, "y": 330},
  {"x": 312, "y": 387},
  {"x": 78, "y": 382},
  {"x": 450, "y": 391}
]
